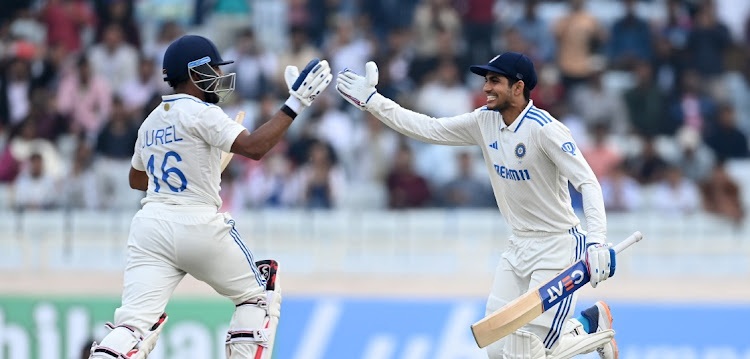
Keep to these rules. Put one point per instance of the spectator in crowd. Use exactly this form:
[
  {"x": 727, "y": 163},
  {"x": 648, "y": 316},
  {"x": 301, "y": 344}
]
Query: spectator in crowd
[
  {"x": 268, "y": 185},
  {"x": 81, "y": 185},
  {"x": 601, "y": 156},
  {"x": 707, "y": 43},
  {"x": 693, "y": 108},
  {"x": 334, "y": 126},
  {"x": 232, "y": 192},
  {"x": 66, "y": 20},
  {"x": 648, "y": 167},
  {"x": 406, "y": 188},
  {"x": 387, "y": 16},
  {"x": 397, "y": 64},
  {"x": 347, "y": 45},
  {"x": 727, "y": 140},
  {"x": 375, "y": 146},
  {"x": 137, "y": 91},
  {"x": 536, "y": 32},
  {"x": 677, "y": 25},
  {"x": 645, "y": 103},
  {"x": 443, "y": 95},
  {"x": 49, "y": 125},
  {"x": 621, "y": 192},
  {"x": 120, "y": 13},
  {"x": 114, "y": 147},
  {"x": 299, "y": 52},
  {"x": 114, "y": 59},
  {"x": 34, "y": 188},
  {"x": 27, "y": 142},
  {"x": 675, "y": 194},
  {"x": 16, "y": 85},
  {"x": 432, "y": 17},
  {"x": 596, "y": 103},
  {"x": 549, "y": 92},
  {"x": 721, "y": 195},
  {"x": 696, "y": 160},
  {"x": 252, "y": 64},
  {"x": 579, "y": 36},
  {"x": 320, "y": 182},
  {"x": 631, "y": 39},
  {"x": 477, "y": 27},
  {"x": 467, "y": 190},
  {"x": 85, "y": 98}
]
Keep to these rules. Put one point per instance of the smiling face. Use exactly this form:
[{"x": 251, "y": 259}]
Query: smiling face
[{"x": 498, "y": 90}]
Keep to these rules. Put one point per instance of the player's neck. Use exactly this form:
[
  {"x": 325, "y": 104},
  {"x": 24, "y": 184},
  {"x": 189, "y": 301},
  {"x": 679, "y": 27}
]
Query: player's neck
[
  {"x": 511, "y": 112},
  {"x": 190, "y": 90}
]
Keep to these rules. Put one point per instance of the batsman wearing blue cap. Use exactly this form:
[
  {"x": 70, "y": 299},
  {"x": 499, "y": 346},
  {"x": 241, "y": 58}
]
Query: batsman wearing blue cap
[
  {"x": 179, "y": 229},
  {"x": 530, "y": 157}
]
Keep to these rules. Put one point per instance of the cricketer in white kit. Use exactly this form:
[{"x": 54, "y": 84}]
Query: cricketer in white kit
[
  {"x": 179, "y": 229},
  {"x": 530, "y": 157}
]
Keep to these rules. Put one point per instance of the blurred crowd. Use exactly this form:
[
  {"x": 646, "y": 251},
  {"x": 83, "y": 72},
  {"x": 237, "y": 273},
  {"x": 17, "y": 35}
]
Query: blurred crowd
[{"x": 657, "y": 94}]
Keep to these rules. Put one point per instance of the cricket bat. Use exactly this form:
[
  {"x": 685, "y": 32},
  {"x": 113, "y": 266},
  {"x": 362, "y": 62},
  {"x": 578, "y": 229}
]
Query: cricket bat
[
  {"x": 227, "y": 156},
  {"x": 533, "y": 303}
]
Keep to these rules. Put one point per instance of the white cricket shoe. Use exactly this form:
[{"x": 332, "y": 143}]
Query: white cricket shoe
[
  {"x": 608, "y": 350},
  {"x": 575, "y": 341}
]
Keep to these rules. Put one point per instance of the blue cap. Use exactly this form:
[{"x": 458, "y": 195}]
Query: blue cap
[
  {"x": 185, "y": 50},
  {"x": 513, "y": 64}
]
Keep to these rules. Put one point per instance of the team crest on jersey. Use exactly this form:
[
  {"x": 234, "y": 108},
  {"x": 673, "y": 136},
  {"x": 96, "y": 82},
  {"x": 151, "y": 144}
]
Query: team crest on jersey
[
  {"x": 569, "y": 147},
  {"x": 520, "y": 150}
]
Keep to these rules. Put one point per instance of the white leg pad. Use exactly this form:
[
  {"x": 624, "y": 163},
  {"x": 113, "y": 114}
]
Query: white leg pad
[
  {"x": 123, "y": 342},
  {"x": 116, "y": 344},
  {"x": 149, "y": 340},
  {"x": 575, "y": 341},
  {"x": 524, "y": 345},
  {"x": 253, "y": 327},
  {"x": 247, "y": 334}
]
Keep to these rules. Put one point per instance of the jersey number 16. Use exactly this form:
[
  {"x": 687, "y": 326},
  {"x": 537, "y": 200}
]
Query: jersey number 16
[{"x": 165, "y": 172}]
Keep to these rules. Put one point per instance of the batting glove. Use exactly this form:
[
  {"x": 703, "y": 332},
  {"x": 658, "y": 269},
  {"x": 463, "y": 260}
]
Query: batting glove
[
  {"x": 356, "y": 89},
  {"x": 305, "y": 86},
  {"x": 600, "y": 260}
]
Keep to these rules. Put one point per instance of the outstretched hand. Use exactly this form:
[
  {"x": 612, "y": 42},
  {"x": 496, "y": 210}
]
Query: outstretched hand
[
  {"x": 305, "y": 86},
  {"x": 356, "y": 89}
]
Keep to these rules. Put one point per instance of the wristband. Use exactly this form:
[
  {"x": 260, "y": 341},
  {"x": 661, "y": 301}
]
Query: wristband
[
  {"x": 295, "y": 105},
  {"x": 288, "y": 111}
]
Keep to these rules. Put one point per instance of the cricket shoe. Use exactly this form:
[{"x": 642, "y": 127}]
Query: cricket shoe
[
  {"x": 574, "y": 340},
  {"x": 609, "y": 350}
]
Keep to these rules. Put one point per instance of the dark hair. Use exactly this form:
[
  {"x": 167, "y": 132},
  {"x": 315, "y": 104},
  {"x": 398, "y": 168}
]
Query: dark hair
[{"x": 526, "y": 90}]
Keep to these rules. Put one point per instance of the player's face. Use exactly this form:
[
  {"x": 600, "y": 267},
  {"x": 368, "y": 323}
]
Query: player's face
[{"x": 498, "y": 91}]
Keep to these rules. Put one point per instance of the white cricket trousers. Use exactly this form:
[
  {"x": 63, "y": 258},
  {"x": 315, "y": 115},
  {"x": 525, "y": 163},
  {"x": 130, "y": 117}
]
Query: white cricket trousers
[
  {"x": 533, "y": 258},
  {"x": 168, "y": 241}
]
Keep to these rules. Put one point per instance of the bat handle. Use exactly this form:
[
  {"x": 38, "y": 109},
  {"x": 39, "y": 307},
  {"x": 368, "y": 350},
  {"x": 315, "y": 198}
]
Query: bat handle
[{"x": 635, "y": 237}]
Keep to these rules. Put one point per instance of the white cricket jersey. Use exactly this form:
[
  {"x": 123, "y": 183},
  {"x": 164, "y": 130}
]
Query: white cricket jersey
[
  {"x": 530, "y": 162},
  {"x": 179, "y": 146}
]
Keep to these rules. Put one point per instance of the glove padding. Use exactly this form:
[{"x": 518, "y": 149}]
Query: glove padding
[
  {"x": 600, "y": 260},
  {"x": 305, "y": 86},
  {"x": 356, "y": 89}
]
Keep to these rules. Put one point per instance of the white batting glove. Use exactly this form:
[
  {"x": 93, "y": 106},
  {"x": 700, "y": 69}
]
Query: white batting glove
[
  {"x": 600, "y": 260},
  {"x": 356, "y": 89},
  {"x": 304, "y": 87}
]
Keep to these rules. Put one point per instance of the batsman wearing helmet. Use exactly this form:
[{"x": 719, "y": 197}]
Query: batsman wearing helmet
[
  {"x": 179, "y": 229},
  {"x": 530, "y": 157}
]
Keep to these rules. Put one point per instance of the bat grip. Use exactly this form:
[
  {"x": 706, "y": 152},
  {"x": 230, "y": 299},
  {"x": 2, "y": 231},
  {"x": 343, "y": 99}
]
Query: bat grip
[{"x": 635, "y": 237}]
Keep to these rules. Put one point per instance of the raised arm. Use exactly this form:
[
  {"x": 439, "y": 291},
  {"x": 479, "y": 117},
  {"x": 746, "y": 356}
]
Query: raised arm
[
  {"x": 360, "y": 91},
  {"x": 304, "y": 87}
]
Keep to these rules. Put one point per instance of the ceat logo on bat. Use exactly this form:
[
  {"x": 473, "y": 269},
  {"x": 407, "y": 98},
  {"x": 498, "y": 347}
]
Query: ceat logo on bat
[{"x": 561, "y": 286}]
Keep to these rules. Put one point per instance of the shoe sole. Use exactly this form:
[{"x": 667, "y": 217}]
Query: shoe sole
[
  {"x": 606, "y": 310},
  {"x": 609, "y": 317}
]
